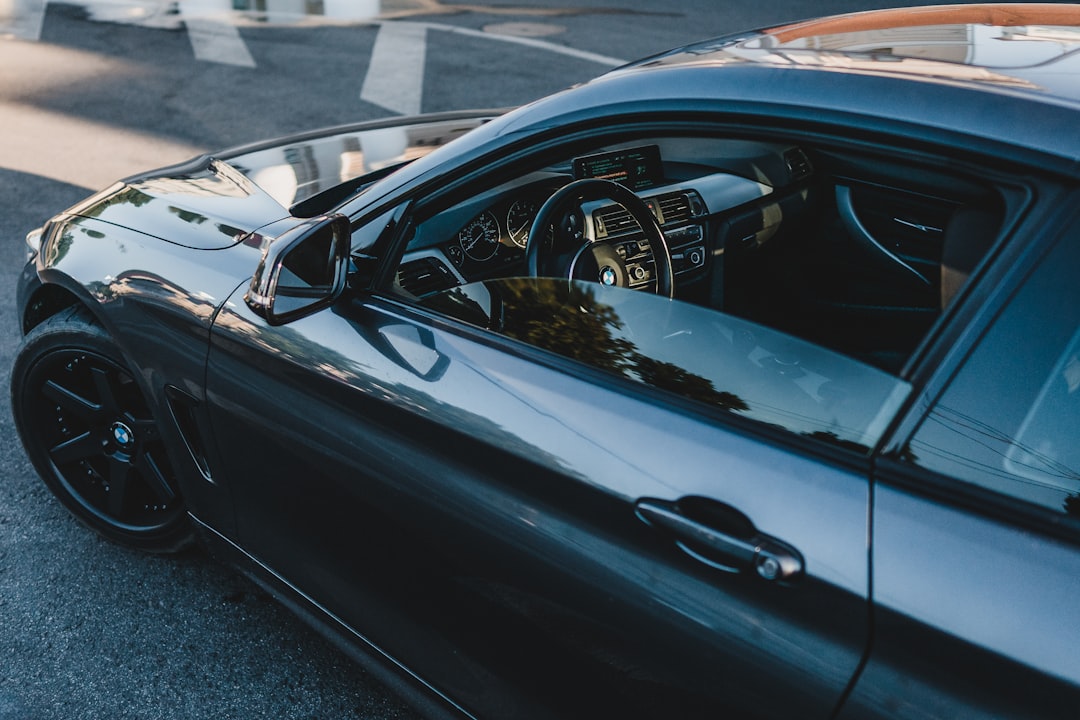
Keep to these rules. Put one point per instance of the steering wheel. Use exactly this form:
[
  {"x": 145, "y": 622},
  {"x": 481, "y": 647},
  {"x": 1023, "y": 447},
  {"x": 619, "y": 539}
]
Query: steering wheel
[{"x": 597, "y": 260}]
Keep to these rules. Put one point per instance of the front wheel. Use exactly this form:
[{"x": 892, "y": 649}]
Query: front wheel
[{"x": 89, "y": 432}]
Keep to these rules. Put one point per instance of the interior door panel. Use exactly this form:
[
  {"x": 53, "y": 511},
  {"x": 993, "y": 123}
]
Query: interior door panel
[{"x": 862, "y": 272}]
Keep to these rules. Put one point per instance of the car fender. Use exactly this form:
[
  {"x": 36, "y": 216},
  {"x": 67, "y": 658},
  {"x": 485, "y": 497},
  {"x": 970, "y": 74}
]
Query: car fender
[{"x": 120, "y": 276}]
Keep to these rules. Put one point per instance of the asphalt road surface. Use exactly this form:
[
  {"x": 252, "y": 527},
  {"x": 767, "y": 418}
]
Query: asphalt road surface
[{"x": 90, "y": 92}]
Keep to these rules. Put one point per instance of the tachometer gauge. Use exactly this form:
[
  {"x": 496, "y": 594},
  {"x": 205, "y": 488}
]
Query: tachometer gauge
[
  {"x": 480, "y": 238},
  {"x": 518, "y": 219}
]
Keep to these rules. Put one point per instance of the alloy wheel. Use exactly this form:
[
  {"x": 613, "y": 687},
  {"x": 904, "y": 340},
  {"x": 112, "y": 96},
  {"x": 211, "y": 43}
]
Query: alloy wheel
[{"x": 101, "y": 442}]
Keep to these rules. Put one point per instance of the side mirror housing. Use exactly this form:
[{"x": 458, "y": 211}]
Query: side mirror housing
[{"x": 302, "y": 270}]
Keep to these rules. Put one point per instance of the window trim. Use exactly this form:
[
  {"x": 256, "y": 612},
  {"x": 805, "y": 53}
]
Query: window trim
[{"x": 963, "y": 334}]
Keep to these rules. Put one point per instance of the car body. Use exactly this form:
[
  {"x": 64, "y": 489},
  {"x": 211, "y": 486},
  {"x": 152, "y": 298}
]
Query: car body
[{"x": 737, "y": 382}]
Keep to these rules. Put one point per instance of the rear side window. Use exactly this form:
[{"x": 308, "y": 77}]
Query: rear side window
[
  {"x": 1010, "y": 421},
  {"x": 1046, "y": 451}
]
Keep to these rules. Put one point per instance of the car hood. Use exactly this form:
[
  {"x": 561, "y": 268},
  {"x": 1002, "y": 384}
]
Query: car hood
[
  {"x": 334, "y": 163},
  {"x": 204, "y": 204},
  {"x": 213, "y": 202}
]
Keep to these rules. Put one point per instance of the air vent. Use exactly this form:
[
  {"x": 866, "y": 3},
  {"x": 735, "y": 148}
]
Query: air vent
[
  {"x": 185, "y": 413},
  {"x": 798, "y": 164},
  {"x": 672, "y": 208},
  {"x": 613, "y": 220},
  {"x": 425, "y": 276}
]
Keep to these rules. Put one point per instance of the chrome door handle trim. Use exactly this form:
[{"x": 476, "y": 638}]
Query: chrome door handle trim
[
  {"x": 771, "y": 559},
  {"x": 916, "y": 226}
]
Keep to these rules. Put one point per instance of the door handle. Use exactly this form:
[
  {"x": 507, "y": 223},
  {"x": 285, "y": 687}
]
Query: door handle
[
  {"x": 846, "y": 205},
  {"x": 722, "y": 537}
]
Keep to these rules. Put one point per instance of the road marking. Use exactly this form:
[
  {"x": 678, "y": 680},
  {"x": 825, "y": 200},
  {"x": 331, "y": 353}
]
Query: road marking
[
  {"x": 530, "y": 42},
  {"x": 22, "y": 18},
  {"x": 395, "y": 76},
  {"x": 524, "y": 29},
  {"x": 213, "y": 37}
]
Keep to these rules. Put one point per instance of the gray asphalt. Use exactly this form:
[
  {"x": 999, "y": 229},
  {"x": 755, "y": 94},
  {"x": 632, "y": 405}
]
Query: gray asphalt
[{"x": 89, "y": 629}]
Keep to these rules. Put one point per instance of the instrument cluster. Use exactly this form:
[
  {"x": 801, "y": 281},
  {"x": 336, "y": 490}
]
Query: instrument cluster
[{"x": 500, "y": 232}]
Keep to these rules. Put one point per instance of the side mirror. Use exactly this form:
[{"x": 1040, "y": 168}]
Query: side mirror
[{"x": 302, "y": 270}]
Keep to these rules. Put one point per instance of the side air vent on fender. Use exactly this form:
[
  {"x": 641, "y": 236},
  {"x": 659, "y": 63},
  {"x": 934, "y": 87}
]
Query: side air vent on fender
[
  {"x": 425, "y": 275},
  {"x": 185, "y": 412}
]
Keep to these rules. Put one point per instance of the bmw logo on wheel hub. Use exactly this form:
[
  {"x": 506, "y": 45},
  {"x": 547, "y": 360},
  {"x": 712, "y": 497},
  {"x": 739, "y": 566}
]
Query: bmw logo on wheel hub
[
  {"x": 122, "y": 434},
  {"x": 608, "y": 276}
]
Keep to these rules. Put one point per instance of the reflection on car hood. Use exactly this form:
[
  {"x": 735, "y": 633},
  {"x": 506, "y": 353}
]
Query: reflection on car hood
[
  {"x": 204, "y": 204},
  {"x": 211, "y": 203},
  {"x": 296, "y": 168}
]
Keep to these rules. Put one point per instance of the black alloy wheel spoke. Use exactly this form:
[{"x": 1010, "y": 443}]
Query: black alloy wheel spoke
[
  {"x": 103, "y": 382},
  {"x": 154, "y": 478},
  {"x": 119, "y": 474},
  {"x": 145, "y": 430},
  {"x": 71, "y": 401},
  {"x": 80, "y": 447}
]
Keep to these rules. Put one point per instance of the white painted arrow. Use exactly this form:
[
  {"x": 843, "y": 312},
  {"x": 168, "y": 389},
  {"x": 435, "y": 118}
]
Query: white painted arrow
[
  {"x": 395, "y": 76},
  {"x": 213, "y": 37},
  {"x": 22, "y": 18}
]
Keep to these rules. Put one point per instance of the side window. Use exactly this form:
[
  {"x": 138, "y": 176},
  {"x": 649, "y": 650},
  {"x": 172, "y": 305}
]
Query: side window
[
  {"x": 804, "y": 277},
  {"x": 1010, "y": 420},
  {"x": 367, "y": 235},
  {"x": 700, "y": 354}
]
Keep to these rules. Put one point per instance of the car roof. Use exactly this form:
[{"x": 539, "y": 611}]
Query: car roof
[
  {"x": 1000, "y": 79},
  {"x": 1019, "y": 47},
  {"x": 1005, "y": 73}
]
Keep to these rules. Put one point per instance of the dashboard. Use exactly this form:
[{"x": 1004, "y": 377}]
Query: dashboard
[{"x": 687, "y": 190}]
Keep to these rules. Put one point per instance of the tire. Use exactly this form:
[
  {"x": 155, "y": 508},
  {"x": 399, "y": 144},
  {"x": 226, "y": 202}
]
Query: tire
[{"x": 91, "y": 435}]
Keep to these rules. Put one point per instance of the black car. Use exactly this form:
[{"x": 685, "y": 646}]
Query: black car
[{"x": 738, "y": 382}]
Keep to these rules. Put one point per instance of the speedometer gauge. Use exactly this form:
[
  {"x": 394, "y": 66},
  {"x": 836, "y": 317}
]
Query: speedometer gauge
[
  {"x": 480, "y": 238},
  {"x": 518, "y": 219}
]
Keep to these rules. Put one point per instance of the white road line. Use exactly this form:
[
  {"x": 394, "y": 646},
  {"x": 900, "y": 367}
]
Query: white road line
[
  {"x": 213, "y": 38},
  {"x": 531, "y": 42},
  {"x": 22, "y": 18},
  {"x": 395, "y": 76}
]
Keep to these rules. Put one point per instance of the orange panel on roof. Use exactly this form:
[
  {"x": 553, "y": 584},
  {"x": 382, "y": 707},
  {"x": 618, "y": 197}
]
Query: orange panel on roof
[{"x": 1008, "y": 15}]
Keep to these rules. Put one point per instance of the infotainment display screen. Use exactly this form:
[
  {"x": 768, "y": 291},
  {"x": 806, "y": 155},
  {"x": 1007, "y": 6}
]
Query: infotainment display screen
[{"x": 636, "y": 168}]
